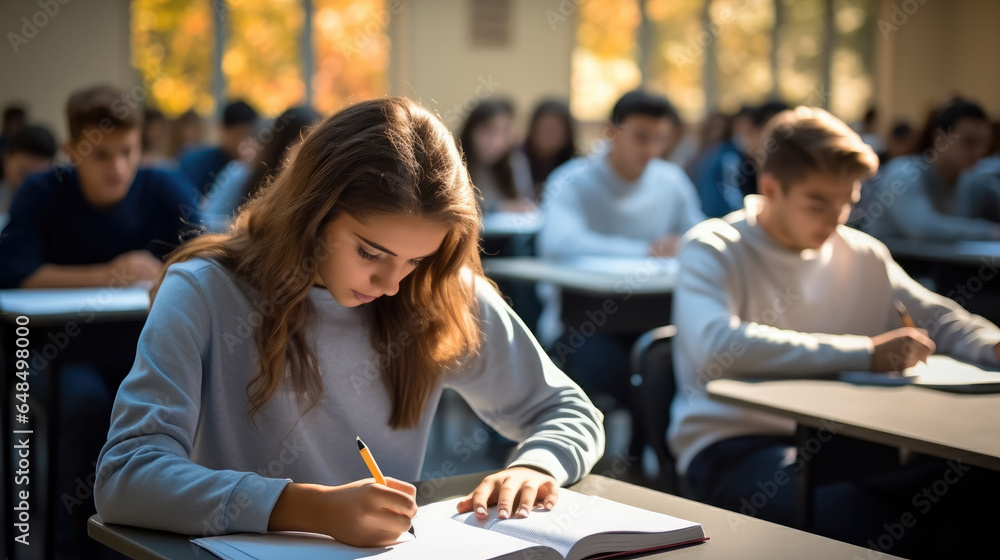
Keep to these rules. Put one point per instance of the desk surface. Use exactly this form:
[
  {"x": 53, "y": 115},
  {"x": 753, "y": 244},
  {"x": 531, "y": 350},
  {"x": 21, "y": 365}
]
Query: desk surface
[
  {"x": 732, "y": 535},
  {"x": 959, "y": 252},
  {"x": 51, "y": 306},
  {"x": 504, "y": 224},
  {"x": 947, "y": 425},
  {"x": 594, "y": 275}
]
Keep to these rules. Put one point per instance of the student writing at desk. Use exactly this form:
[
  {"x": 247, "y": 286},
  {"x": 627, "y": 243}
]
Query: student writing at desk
[
  {"x": 784, "y": 289},
  {"x": 102, "y": 222},
  {"x": 347, "y": 295}
]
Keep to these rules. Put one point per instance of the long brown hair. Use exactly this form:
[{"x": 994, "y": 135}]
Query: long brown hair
[{"x": 379, "y": 157}]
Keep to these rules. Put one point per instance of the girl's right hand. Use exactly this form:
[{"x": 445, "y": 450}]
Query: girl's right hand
[{"x": 361, "y": 513}]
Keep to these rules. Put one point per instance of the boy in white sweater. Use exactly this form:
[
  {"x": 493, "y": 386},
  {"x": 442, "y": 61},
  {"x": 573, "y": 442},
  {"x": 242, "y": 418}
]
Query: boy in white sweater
[{"x": 784, "y": 289}]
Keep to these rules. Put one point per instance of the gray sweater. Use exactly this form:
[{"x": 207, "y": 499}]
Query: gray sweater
[
  {"x": 182, "y": 456},
  {"x": 746, "y": 307},
  {"x": 909, "y": 200}
]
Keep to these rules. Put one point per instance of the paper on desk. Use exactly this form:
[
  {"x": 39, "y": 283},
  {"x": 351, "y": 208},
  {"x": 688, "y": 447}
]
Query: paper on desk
[
  {"x": 940, "y": 372},
  {"x": 626, "y": 266}
]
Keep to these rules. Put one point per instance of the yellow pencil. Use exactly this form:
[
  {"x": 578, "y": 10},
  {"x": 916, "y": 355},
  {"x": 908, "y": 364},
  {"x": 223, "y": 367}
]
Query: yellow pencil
[
  {"x": 370, "y": 461},
  {"x": 904, "y": 315},
  {"x": 373, "y": 468}
]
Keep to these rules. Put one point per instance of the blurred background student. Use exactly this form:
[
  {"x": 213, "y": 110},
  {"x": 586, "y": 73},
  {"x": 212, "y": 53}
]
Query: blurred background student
[
  {"x": 156, "y": 140},
  {"x": 203, "y": 166},
  {"x": 551, "y": 141},
  {"x": 501, "y": 173},
  {"x": 31, "y": 149},
  {"x": 286, "y": 131},
  {"x": 918, "y": 194}
]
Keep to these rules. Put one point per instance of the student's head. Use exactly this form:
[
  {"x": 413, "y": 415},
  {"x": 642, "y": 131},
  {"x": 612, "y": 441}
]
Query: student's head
[
  {"x": 104, "y": 142},
  {"x": 754, "y": 137},
  {"x": 186, "y": 131},
  {"x": 285, "y": 132},
  {"x": 716, "y": 128},
  {"x": 900, "y": 141},
  {"x": 14, "y": 117},
  {"x": 155, "y": 132},
  {"x": 810, "y": 176},
  {"x": 551, "y": 132},
  {"x": 376, "y": 202},
  {"x": 30, "y": 150},
  {"x": 239, "y": 122},
  {"x": 640, "y": 129},
  {"x": 956, "y": 135},
  {"x": 487, "y": 135}
]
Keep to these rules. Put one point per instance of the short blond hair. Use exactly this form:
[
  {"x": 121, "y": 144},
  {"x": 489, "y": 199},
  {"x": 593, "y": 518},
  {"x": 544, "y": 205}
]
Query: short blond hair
[{"x": 807, "y": 140}]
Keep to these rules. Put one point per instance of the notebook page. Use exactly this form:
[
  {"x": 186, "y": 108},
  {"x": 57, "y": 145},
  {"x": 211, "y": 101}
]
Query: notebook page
[
  {"x": 576, "y": 516},
  {"x": 437, "y": 537}
]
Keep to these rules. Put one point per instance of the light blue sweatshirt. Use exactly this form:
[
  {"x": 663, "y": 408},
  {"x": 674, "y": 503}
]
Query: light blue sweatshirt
[{"x": 182, "y": 456}]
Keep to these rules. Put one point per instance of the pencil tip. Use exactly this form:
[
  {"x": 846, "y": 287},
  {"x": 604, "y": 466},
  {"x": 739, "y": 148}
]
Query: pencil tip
[{"x": 361, "y": 444}]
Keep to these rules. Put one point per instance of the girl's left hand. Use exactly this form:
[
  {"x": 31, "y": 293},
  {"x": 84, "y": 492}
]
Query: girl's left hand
[{"x": 517, "y": 490}]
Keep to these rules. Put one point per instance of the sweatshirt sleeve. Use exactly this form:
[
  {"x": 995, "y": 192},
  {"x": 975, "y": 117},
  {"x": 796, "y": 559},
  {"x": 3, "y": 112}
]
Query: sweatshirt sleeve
[
  {"x": 903, "y": 195},
  {"x": 708, "y": 325},
  {"x": 145, "y": 475},
  {"x": 514, "y": 387},
  {"x": 565, "y": 232},
  {"x": 22, "y": 249},
  {"x": 954, "y": 330}
]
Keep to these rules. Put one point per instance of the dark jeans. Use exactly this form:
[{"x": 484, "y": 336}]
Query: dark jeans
[{"x": 927, "y": 508}]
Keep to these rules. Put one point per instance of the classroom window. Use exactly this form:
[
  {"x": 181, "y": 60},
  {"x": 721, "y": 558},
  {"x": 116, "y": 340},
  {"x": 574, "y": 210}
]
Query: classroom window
[
  {"x": 604, "y": 59},
  {"x": 172, "y": 44},
  {"x": 708, "y": 55},
  {"x": 275, "y": 53}
]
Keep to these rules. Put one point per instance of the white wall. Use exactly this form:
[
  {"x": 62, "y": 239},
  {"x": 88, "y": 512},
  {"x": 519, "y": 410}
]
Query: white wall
[
  {"x": 433, "y": 60},
  {"x": 85, "y": 42}
]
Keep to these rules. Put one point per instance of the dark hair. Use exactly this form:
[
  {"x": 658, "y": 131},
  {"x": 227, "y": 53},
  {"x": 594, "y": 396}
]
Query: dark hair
[
  {"x": 638, "y": 102},
  {"x": 995, "y": 140},
  {"x": 237, "y": 113},
  {"x": 502, "y": 170},
  {"x": 945, "y": 118},
  {"x": 746, "y": 111},
  {"x": 13, "y": 113},
  {"x": 901, "y": 130},
  {"x": 33, "y": 139},
  {"x": 149, "y": 116},
  {"x": 765, "y": 112},
  {"x": 101, "y": 106},
  {"x": 559, "y": 109},
  {"x": 288, "y": 128}
]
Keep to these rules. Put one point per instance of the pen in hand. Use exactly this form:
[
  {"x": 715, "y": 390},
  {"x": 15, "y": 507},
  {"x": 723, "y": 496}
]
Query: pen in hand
[
  {"x": 366, "y": 454},
  {"x": 904, "y": 315}
]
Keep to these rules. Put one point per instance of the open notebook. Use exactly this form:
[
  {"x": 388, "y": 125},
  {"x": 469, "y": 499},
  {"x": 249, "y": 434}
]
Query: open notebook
[
  {"x": 940, "y": 372},
  {"x": 577, "y": 527}
]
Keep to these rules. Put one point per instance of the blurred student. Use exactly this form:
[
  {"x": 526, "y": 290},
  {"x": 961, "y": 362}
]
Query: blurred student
[
  {"x": 156, "y": 140},
  {"x": 366, "y": 248},
  {"x": 102, "y": 222},
  {"x": 14, "y": 118},
  {"x": 868, "y": 130},
  {"x": 187, "y": 134},
  {"x": 203, "y": 166},
  {"x": 227, "y": 195},
  {"x": 916, "y": 196},
  {"x": 716, "y": 129},
  {"x": 501, "y": 173},
  {"x": 730, "y": 172},
  {"x": 900, "y": 142},
  {"x": 782, "y": 289},
  {"x": 625, "y": 203},
  {"x": 31, "y": 149},
  {"x": 551, "y": 141}
]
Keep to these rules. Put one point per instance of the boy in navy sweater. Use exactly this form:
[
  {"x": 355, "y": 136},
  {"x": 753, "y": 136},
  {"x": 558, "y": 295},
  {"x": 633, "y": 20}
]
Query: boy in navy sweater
[{"x": 102, "y": 222}]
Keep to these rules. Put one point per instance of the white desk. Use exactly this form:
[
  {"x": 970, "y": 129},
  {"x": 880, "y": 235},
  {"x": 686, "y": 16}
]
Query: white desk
[
  {"x": 602, "y": 276},
  {"x": 507, "y": 224}
]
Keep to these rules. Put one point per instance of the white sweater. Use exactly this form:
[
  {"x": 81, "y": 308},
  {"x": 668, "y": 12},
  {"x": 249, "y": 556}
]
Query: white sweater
[{"x": 746, "y": 307}]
